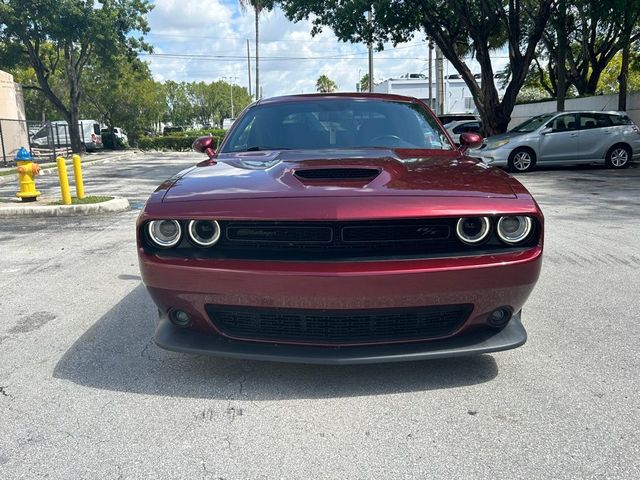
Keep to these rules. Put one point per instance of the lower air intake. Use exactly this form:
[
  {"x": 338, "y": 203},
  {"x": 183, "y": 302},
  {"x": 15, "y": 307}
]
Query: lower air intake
[{"x": 338, "y": 327}]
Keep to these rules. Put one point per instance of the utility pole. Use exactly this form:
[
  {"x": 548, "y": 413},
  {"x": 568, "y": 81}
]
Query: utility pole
[
  {"x": 249, "y": 66},
  {"x": 562, "y": 55},
  {"x": 430, "y": 78},
  {"x": 439, "y": 82},
  {"x": 370, "y": 17}
]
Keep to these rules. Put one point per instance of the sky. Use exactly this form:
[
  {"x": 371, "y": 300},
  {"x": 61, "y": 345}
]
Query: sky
[{"x": 182, "y": 31}]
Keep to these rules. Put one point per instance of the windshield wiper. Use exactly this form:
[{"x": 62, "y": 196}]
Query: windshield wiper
[{"x": 257, "y": 148}]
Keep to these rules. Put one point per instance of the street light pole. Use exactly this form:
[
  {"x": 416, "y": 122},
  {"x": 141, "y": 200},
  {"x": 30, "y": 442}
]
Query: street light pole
[
  {"x": 370, "y": 18},
  {"x": 430, "y": 77}
]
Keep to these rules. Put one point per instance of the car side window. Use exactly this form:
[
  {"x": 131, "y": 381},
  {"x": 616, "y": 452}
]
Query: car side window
[
  {"x": 588, "y": 121},
  {"x": 564, "y": 123},
  {"x": 618, "y": 120}
]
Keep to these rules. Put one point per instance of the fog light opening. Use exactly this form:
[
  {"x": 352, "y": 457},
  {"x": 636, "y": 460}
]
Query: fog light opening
[
  {"x": 180, "y": 318},
  {"x": 500, "y": 317}
]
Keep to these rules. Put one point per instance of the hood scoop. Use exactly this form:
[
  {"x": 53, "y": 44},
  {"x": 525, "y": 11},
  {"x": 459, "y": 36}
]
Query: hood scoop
[{"x": 347, "y": 173}]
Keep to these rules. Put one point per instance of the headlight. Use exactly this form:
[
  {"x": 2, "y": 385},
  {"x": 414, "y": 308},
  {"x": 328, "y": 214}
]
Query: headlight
[
  {"x": 164, "y": 233},
  {"x": 498, "y": 144},
  {"x": 514, "y": 229},
  {"x": 473, "y": 230},
  {"x": 204, "y": 233}
]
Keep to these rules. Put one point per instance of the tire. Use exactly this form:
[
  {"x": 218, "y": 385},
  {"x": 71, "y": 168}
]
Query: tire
[
  {"x": 618, "y": 156},
  {"x": 522, "y": 160}
]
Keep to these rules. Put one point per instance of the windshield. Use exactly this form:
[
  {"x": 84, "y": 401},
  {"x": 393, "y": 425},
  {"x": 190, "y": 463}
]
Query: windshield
[
  {"x": 533, "y": 123},
  {"x": 336, "y": 123}
]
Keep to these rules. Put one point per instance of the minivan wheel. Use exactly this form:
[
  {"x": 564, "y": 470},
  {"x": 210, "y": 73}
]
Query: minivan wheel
[
  {"x": 618, "y": 156},
  {"x": 522, "y": 160}
]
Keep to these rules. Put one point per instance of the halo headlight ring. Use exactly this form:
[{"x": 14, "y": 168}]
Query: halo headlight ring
[
  {"x": 520, "y": 234},
  {"x": 164, "y": 233},
  {"x": 198, "y": 236},
  {"x": 473, "y": 239}
]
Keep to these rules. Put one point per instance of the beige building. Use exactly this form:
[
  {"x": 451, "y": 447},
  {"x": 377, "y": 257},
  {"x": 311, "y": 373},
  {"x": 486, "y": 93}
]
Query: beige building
[{"x": 13, "y": 128}]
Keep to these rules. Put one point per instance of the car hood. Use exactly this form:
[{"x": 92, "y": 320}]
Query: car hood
[{"x": 371, "y": 172}]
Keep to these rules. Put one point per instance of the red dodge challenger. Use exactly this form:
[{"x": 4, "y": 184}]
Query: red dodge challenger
[{"x": 341, "y": 228}]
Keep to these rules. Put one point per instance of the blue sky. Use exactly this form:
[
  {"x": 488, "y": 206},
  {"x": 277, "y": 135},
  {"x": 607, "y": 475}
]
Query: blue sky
[{"x": 182, "y": 30}]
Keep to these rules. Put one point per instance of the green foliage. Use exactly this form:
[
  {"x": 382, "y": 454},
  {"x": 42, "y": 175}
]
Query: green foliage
[
  {"x": 325, "y": 85},
  {"x": 112, "y": 142},
  {"x": 177, "y": 142},
  {"x": 63, "y": 35},
  {"x": 608, "y": 82},
  {"x": 364, "y": 83},
  {"x": 122, "y": 94}
]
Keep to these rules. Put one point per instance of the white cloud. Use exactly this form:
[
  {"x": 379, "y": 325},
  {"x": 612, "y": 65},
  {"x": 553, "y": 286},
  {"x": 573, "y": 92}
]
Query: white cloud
[{"x": 220, "y": 28}]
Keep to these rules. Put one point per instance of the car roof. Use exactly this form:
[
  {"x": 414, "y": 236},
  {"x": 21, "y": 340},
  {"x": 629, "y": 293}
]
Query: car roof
[{"x": 328, "y": 96}]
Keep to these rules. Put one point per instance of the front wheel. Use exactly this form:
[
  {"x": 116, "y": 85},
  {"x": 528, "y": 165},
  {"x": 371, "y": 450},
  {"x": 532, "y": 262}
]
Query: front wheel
[
  {"x": 618, "y": 156},
  {"x": 522, "y": 160}
]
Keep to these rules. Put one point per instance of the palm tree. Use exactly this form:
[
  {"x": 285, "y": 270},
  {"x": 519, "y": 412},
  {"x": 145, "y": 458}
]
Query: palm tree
[
  {"x": 257, "y": 6},
  {"x": 325, "y": 85}
]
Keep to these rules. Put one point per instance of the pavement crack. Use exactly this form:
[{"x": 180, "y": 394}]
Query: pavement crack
[{"x": 3, "y": 391}]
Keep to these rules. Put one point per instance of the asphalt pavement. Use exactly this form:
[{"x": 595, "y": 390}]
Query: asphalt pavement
[{"x": 85, "y": 394}]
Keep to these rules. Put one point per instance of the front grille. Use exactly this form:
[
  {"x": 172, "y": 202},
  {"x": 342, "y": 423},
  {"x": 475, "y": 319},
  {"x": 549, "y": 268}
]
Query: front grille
[
  {"x": 338, "y": 327},
  {"x": 326, "y": 241}
]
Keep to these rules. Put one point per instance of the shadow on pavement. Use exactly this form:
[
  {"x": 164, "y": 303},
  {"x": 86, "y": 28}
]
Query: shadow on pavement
[{"x": 117, "y": 353}]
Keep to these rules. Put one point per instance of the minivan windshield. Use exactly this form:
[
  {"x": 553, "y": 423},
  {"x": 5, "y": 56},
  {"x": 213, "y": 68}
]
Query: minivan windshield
[
  {"x": 322, "y": 123},
  {"x": 533, "y": 123}
]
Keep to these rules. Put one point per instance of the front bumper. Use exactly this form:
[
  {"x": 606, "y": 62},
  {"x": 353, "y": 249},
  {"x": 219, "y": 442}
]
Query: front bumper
[
  {"x": 476, "y": 342},
  {"x": 497, "y": 157}
]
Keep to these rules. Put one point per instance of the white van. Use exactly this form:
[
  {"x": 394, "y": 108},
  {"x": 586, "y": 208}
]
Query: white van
[{"x": 57, "y": 133}]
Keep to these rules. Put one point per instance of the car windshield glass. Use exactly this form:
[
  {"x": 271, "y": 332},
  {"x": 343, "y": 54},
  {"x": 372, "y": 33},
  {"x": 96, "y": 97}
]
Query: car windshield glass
[
  {"x": 532, "y": 124},
  {"x": 336, "y": 123}
]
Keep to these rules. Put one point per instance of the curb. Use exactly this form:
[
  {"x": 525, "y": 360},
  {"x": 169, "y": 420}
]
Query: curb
[
  {"x": 110, "y": 206},
  {"x": 51, "y": 170}
]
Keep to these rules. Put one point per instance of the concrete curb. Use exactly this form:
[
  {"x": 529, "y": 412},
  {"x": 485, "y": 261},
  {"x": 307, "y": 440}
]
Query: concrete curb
[
  {"x": 110, "y": 206},
  {"x": 51, "y": 170}
]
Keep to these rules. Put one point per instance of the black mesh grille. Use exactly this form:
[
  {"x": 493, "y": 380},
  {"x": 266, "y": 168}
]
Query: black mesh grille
[
  {"x": 338, "y": 327},
  {"x": 338, "y": 173}
]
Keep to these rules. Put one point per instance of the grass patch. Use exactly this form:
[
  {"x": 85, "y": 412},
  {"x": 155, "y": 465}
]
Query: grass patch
[{"x": 85, "y": 200}]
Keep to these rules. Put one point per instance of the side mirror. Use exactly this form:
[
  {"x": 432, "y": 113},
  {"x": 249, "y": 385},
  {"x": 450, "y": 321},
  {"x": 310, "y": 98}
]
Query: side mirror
[
  {"x": 470, "y": 140},
  {"x": 206, "y": 145},
  {"x": 546, "y": 130}
]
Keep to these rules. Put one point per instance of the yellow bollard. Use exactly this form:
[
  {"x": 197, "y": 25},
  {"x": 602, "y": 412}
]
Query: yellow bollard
[
  {"x": 64, "y": 181},
  {"x": 77, "y": 172}
]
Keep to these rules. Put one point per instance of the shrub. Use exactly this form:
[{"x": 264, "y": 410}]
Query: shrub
[
  {"x": 179, "y": 142},
  {"x": 107, "y": 142}
]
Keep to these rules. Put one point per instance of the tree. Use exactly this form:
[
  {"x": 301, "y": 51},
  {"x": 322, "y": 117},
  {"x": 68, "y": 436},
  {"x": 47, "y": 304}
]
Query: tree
[
  {"x": 459, "y": 27},
  {"x": 63, "y": 35},
  {"x": 124, "y": 95},
  {"x": 364, "y": 83},
  {"x": 629, "y": 15},
  {"x": 325, "y": 85},
  {"x": 258, "y": 6},
  {"x": 609, "y": 83}
]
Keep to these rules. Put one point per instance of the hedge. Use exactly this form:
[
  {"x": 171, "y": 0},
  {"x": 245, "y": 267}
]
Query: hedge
[{"x": 177, "y": 141}]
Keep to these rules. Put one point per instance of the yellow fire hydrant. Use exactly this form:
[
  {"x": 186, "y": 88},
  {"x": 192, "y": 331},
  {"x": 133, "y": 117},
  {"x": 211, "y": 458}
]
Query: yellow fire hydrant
[{"x": 26, "y": 171}]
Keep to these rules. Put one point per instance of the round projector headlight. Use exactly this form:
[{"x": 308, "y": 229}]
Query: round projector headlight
[
  {"x": 473, "y": 230},
  {"x": 204, "y": 233},
  {"x": 164, "y": 233},
  {"x": 514, "y": 229}
]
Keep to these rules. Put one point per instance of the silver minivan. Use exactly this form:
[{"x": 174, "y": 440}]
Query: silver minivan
[{"x": 564, "y": 138}]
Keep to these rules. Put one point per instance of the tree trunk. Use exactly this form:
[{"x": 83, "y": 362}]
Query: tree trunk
[
  {"x": 624, "y": 68},
  {"x": 562, "y": 55}
]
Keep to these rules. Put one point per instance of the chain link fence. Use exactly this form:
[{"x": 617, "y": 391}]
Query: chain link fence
[{"x": 45, "y": 140}]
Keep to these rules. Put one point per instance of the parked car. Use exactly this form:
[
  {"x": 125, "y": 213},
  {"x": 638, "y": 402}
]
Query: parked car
[
  {"x": 341, "y": 228},
  {"x": 169, "y": 130},
  {"x": 564, "y": 138},
  {"x": 458, "y": 127},
  {"x": 227, "y": 123},
  {"x": 57, "y": 134},
  {"x": 117, "y": 132}
]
